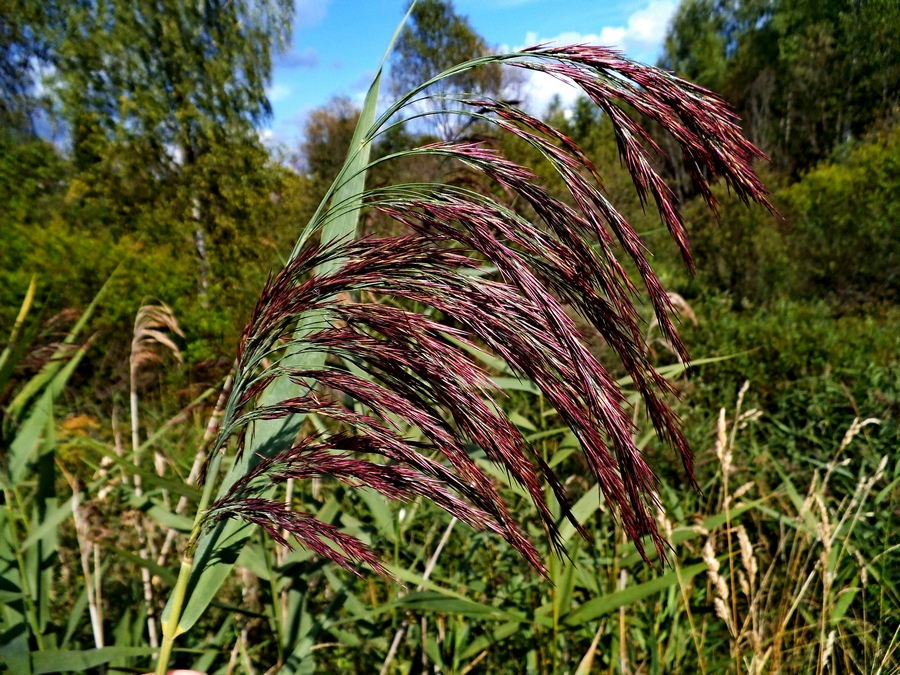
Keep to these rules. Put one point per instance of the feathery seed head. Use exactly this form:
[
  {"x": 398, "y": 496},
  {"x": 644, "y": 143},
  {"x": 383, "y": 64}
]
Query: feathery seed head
[{"x": 391, "y": 366}]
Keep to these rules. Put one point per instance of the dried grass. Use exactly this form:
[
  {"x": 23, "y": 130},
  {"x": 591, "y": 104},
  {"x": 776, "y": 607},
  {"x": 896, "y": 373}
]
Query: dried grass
[{"x": 795, "y": 617}]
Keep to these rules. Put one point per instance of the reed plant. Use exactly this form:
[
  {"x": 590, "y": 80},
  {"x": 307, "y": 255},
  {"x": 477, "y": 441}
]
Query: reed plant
[
  {"x": 396, "y": 341},
  {"x": 387, "y": 363},
  {"x": 774, "y": 570}
]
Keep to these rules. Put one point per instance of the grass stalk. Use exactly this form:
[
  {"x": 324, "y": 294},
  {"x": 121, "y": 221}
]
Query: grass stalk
[
  {"x": 685, "y": 598},
  {"x": 90, "y": 581},
  {"x": 199, "y": 458},
  {"x": 11, "y": 497},
  {"x": 623, "y": 648},
  {"x": 170, "y": 628},
  {"x": 146, "y": 579},
  {"x": 278, "y": 607},
  {"x": 429, "y": 568},
  {"x": 20, "y": 320}
]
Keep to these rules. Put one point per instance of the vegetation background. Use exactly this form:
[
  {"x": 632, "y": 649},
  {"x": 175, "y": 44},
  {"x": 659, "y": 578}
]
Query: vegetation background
[{"x": 788, "y": 561}]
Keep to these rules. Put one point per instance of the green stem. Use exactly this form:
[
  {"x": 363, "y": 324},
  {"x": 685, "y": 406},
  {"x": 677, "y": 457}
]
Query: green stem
[
  {"x": 277, "y": 610},
  {"x": 179, "y": 593},
  {"x": 170, "y": 627},
  {"x": 12, "y": 497}
]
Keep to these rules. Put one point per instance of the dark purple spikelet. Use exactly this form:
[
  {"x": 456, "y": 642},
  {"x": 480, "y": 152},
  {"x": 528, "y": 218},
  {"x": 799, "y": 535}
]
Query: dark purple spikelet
[
  {"x": 323, "y": 539},
  {"x": 390, "y": 368}
]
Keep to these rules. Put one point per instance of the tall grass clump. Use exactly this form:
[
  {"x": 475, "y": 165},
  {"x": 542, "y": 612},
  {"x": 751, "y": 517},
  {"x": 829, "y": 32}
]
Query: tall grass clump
[
  {"x": 391, "y": 344},
  {"x": 791, "y": 567}
]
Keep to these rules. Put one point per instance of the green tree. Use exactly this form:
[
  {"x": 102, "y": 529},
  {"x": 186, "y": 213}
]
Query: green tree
[
  {"x": 326, "y": 137},
  {"x": 434, "y": 40},
  {"x": 157, "y": 95},
  {"x": 805, "y": 75},
  {"x": 172, "y": 74},
  {"x": 846, "y": 211},
  {"x": 160, "y": 104},
  {"x": 24, "y": 50},
  {"x": 695, "y": 45}
]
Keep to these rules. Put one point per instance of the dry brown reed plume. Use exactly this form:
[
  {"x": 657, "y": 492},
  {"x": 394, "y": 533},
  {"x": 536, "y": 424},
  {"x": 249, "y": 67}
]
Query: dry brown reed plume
[{"x": 153, "y": 328}]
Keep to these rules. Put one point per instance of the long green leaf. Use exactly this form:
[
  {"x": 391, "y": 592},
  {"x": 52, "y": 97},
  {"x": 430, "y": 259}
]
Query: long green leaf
[
  {"x": 218, "y": 551},
  {"x": 596, "y": 608},
  {"x": 20, "y": 319},
  {"x": 163, "y": 573},
  {"x": 53, "y": 519},
  {"x": 206, "y": 660},
  {"x": 433, "y": 601},
  {"x": 13, "y": 352},
  {"x": 500, "y": 633},
  {"x": 40, "y": 559},
  {"x": 175, "y": 487},
  {"x": 676, "y": 369},
  {"x": 75, "y": 616},
  {"x": 48, "y": 373},
  {"x": 462, "y": 601},
  {"x": 301, "y": 660},
  {"x": 70, "y": 660},
  {"x": 28, "y": 439},
  {"x": 583, "y": 509},
  {"x": 14, "y": 619}
]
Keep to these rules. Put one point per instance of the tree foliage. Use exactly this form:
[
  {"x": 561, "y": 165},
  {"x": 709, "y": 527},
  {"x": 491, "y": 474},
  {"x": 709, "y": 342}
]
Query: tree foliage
[
  {"x": 805, "y": 75},
  {"x": 174, "y": 76},
  {"x": 25, "y": 48},
  {"x": 846, "y": 211},
  {"x": 326, "y": 138},
  {"x": 434, "y": 40},
  {"x": 818, "y": 87},
  {"x": 159, "y": 105}
]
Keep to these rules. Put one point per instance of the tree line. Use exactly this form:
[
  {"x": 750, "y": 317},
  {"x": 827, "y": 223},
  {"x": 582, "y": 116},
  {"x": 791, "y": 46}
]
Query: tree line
[{"x": 156, "y": 107}]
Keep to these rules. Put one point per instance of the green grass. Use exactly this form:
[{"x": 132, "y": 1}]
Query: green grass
[{"x": 819, "y": 519}]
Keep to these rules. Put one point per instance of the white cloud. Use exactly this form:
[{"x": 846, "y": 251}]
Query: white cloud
[
  {"x": 647, "y": 27},
  {"x": 639, "y": 39},
  {"x": 309, "y": 13},
  {"x": 541, "y": 89},
  {"x": 278, "y": 92},
  {"x": 266, "y": 136}
]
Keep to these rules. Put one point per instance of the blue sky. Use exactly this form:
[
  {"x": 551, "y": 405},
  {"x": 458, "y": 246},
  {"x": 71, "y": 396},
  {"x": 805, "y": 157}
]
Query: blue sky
[{"x": 338, "y": 44}]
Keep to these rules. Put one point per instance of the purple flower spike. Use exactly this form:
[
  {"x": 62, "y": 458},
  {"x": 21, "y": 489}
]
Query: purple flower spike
[{"x": 399, "y": 318}]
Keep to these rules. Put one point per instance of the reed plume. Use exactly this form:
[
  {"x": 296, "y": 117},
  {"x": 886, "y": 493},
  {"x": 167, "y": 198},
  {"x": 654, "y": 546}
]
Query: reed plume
[
  {"x": 379, "y": 335},
  {"x": 389, "y": 368}
]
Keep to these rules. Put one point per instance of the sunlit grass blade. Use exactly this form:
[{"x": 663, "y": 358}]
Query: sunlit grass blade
[{"x": 273, "y": 435}]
